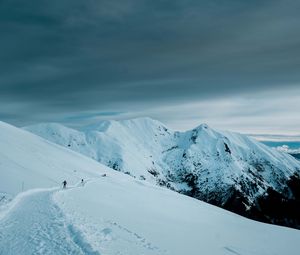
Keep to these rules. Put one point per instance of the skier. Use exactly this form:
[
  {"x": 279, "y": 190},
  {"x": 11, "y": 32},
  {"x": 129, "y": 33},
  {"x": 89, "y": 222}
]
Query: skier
[
  {"x": 82, "y": 182},
  {"x": 64, "y": 184}
]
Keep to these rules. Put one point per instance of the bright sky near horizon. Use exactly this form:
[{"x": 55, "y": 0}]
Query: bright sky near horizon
[{"x": 232, "y": 64}]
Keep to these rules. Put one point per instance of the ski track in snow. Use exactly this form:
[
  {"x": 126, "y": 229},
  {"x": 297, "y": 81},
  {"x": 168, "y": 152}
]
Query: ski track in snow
[
  {"x": 35, "y": 225},
  {"x": 140, "y": 240},
  {"x": 231, "y": 250}
]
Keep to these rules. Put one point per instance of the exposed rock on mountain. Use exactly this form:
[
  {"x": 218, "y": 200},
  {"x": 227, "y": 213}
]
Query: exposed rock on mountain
[{"x": 226, "y": 169}]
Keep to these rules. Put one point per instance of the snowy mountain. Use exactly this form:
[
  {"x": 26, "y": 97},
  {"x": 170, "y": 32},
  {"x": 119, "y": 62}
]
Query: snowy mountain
[
  {"x": 226, "y": 169},
  {"x": 110, "y": 215}
]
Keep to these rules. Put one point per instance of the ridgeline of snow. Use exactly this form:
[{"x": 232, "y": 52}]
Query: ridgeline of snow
[
  {"x": 115, "y": 214},
  {"x": 123, "y": 145},
  {"x": 199, "y": 161}
]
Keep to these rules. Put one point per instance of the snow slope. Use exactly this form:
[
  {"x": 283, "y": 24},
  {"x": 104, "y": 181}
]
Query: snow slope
[
  {"x": 116, "y": 214},
  {"x": 227, "y": 169},
  {"x": 155, "y": 220},
  {"x": 27, "y": 161},
  {"x": 126, "y": 145},
  {"x": 145, "y": 148},
  {"x": 36, "y": 225}
]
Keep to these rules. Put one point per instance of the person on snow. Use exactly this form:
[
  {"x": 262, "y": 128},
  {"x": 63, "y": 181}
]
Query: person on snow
[
  {"x": 82, "y": 182},
  {"x": 64, "y": 184}
]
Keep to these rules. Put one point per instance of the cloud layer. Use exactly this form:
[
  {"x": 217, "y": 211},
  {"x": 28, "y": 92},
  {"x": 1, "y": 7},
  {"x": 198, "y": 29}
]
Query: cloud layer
[{"x": 70, "y": 58}]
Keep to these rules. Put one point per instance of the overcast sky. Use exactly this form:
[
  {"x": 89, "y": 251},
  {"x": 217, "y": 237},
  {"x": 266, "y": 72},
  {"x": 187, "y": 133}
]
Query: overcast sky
[{"x": 233, "y": 64}]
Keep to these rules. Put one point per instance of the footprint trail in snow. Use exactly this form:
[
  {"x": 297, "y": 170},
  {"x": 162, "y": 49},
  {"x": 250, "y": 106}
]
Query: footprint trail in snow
[{"x": 37, "y": 226}]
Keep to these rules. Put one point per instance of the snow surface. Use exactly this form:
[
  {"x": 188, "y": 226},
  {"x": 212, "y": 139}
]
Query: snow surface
[
  {"x": 146, "y": 149},
  {"x": 36, "y": 225},
  {"x": 28, "y": 161},
  {"x": 116, "y": 214},
  {"x": 134, "y": 217}
]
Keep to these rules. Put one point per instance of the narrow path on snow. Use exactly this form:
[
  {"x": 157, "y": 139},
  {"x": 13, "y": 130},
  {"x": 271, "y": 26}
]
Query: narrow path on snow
[{"x": 35, "y": 225}]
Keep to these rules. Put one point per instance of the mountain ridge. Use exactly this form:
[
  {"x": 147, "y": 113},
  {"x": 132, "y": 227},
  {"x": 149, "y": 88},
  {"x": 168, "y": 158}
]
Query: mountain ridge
[
  {"x": 110, "y": 212},
  {"x": 223, "y": 168}
]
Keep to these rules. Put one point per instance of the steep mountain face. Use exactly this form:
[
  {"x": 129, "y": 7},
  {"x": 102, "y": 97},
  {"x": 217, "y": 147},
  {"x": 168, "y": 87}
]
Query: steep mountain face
[{"x": 226, "y": 169}]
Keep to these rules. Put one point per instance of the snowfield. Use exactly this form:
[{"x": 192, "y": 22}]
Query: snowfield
[
  {"x": 37, "y": 226},
  {"x": 122, "y": 216},
  {"x": 227, "y": 169},
  {"x": 146, "y": 148},
  {"x": 28, "y": 161},
  {"x": 115, "y": 214}
]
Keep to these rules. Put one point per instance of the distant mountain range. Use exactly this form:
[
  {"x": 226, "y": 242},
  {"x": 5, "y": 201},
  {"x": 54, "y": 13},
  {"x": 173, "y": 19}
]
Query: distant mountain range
[
  {"x": 290, "y": 147},
  {"x": 226, "y": 169}
]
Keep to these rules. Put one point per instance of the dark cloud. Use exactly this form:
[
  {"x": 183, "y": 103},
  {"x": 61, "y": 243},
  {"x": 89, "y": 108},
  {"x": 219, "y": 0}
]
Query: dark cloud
[{"x": 61, "y": 57}]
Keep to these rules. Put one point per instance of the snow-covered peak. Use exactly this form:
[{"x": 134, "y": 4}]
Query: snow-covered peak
[
  {"x": 212, "y": 165},
  {"x": 100, "y": 126},
  {"x": 95, "y": 217},
  {"x": 202, "y": 126},
  {"x": 137, "y": 145},
  {"x": 142, "y": 124}
]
